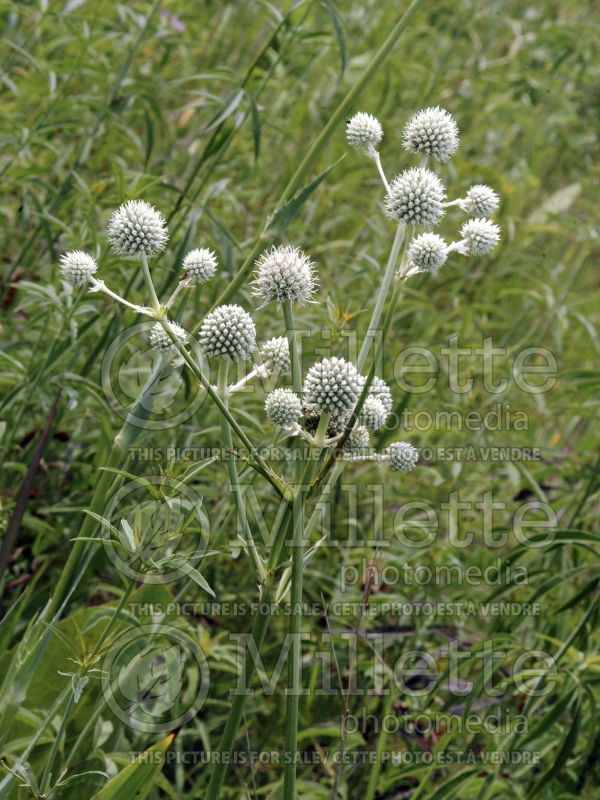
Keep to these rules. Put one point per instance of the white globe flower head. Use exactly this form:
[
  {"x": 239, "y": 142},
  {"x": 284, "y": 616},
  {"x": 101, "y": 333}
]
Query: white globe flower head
[
  {"x": 358, "y": 442},
  {"x": 200, "y": 265},
  {"x": 374, "y": 414},
  {"x": 229, "y": 332},
  {"x": 332, "y": 386},
  {"x": 283, "y": 407},
  {"x": 427, "y": 252},
  {"x": 432, "y": 131},
  {"x": 77, "y": 267},
  {"x": 416, "y": 195},
  {"x": 480, "y": 201},
  {"x": 160, "y": 339},
  {"x": 364, "y": 132},
  {"x": 402, "y": 456},
  {"x": 382, "y": 392},
  {"x": 137, "y": 228},
  {"x": 480, "y": 235},
  {"x": 284, "y": 273},
  {"x": 276, "y": 353}
]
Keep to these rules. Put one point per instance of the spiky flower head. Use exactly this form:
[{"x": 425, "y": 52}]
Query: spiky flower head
[
  {"x": 374, "y": 414},
  {"x": 200, "y": 264},
  {"x": 276, "y": 351},
  {"x": 481, "y": 235},
  {"x": 402, "y": 456},
  {"x": 332, "y": 386},
  {"x": 284, "y": 273},
  {"x": 77, "y": 267},
  {"x": 480, "y": 201},
  {"x": 382, "y": 392},
  {"x": 160, "y": 339},
  {"x": 416, "y": 195},
  {"x": 357, "y": 442},
  {"x": 136, "y": 227},
  {"x": 432, "y": 131},
  {"x": 228, "y": 331},
  {"x": 364, "y": 132},
  {"x": 283, "y": 407},
  {"x": 427, "y": 252}
]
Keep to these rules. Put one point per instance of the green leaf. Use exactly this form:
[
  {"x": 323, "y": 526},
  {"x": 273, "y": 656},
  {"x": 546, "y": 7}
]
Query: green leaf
[
  {"x": 284, "y": 215},
  {"x": 136, "y": 781}
]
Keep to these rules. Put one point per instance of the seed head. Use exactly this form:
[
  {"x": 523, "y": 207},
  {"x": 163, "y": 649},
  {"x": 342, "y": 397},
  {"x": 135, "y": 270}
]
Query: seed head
[
  {"x": 228, "y": 331},
  {"x": 277, "y": 352},
  {"x": 427, "y": 252},
  {"x": 382, "y": 392},
  {"x": 284, "y": 273},
  {"x": 160, "y": 339},
  {"x": 480, "y": 201},
  {"x": 374, "y": 414},
  {"x": 283, "y": 407},
  {"x": 402, "y": 456},
  {"x": 482, "y": 235},
  {"x": 357, "y": 442},
  {"x": 135, "y": 228},
  {"x": 364, "y": 132},
  {"x": 200, "y": 265},
  {"x": 416, "y": 195},
  {"x": 332, "y": 386},
  {"x": 432, "y": 131},
  {"x": 77, "y": 267}
]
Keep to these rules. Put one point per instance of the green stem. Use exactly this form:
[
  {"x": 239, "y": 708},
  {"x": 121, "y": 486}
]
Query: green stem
[
  {"x": 234, "y": 477},
  {"x": 149, "y": 283},
  {"x": 258, "y": 463},
  {"x": 382, "y": 294}
]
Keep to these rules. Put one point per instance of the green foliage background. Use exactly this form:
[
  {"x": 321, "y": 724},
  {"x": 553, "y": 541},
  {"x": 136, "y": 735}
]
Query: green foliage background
[{"x": 205, "y": 110}]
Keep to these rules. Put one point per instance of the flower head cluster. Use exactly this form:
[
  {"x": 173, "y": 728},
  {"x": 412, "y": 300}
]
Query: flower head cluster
[
  {"x": 357, "y": 442},
  {"x": 160, "y": 339},
  {"x": 135, "y": 228},
  {"x": 480, "y": 236},
  {"x": 427, "y": 252},
  {"x": 364, "y": 132},
  {"x": 200, "y": 265},
  {"x": 382, "y": 392},
  {"x": 417, "y": 196},
  {"x": 283, "y": 407},
  {"x": 77, "y": 267},
  {"x": 276, "y": 352},
  {"x": 432, "y": 131},
  {"x": 332, "y": 386},
  {"x": 228, "y": 331},
  {"x": 402, "y": 456},
  {"x": 284, "y": 273},
  {"x": 480, "y": 201},
  {"x": 373, "y": 413}
]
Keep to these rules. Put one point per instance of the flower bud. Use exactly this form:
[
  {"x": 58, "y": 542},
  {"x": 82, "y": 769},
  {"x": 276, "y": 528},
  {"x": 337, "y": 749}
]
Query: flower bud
[
  {"x": 364, "y": 132},
  {"x": 228, "y": 331},
  {"x": 480, "y": 201},
  {"x": 427, "y": 252},
  {"x": 200, "y": 265},
  {"x": 160, "y": 339},
  {"x": 416, "y": 195},
  {"x": 481, "y": 235},
  {"x": 277, "y": 352},
  {"x": 332, "y": 386},
  {"x": 135, "y": 228},
  {"x": 283, "y": 407},
  {"x": 402, "y": 456},
  {"x": 284, "y": 273},
  {"x": 432, "y": 131},
  {"x": 77, "y": 267}
]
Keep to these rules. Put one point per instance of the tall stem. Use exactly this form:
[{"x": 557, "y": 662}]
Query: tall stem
[
  {"x": 382, "y": 294},
  {"x": 234, "y": 478},
  {"x": 295, "y": 627},
  {"x": 149, "y": 283}
]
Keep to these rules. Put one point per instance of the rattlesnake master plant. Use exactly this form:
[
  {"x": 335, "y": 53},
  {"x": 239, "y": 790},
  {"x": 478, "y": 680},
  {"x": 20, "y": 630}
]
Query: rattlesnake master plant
[{"x": 332, "y": 406}]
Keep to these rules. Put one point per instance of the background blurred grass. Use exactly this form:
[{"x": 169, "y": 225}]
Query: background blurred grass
[{"x": 205, "y": 110}]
